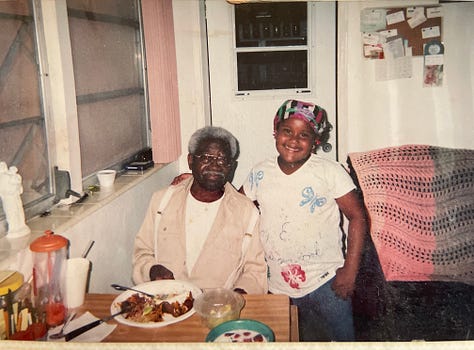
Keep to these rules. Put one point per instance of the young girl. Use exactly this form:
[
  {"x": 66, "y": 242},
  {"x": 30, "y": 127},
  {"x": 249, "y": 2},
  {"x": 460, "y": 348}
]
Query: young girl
[{"x": 300, "y": 196}]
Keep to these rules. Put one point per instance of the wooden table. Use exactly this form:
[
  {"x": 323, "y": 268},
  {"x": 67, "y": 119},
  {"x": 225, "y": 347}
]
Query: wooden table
[{"x": 273, "y": 310}]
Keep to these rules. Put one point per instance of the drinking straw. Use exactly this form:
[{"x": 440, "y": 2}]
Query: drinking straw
[
  {"x": 50, "y": 285},
  {"x": 88, "y": 248},
  {"x": 9, "y": 306},
  {"x": 7, "y": 323}
]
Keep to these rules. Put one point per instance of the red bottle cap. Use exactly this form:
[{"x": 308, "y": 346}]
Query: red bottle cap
[{"x": 48, "y": 243}]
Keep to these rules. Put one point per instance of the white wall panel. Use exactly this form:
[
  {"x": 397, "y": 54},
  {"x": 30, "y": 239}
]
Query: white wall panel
[{"x": 375, "y": 114}]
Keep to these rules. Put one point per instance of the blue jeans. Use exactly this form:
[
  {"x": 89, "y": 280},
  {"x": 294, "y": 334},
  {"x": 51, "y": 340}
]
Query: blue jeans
[{"x": 323, "y": 316}]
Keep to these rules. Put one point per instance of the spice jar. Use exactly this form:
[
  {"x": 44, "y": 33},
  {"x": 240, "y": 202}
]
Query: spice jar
[
  {"x": 19, "y": 316},
  {"x": 11, "y": 282},
  {"x": 49, "y": 268}
]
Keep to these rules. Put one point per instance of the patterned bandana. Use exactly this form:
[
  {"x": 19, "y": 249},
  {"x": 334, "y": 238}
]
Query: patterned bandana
[{"x": 308, "y": 112}]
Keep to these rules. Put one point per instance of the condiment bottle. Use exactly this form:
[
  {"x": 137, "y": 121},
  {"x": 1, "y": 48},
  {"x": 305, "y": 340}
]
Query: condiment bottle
[
  {"x": 9, "y": 284},
  {"x": 49, "y": 268}
]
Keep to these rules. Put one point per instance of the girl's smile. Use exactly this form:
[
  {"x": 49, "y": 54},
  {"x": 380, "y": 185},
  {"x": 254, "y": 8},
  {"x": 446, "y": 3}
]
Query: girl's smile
[{"x": 295, "y": 140}]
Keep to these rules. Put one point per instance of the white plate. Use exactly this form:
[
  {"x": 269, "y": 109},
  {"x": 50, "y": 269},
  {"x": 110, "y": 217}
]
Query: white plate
[{"x": 182, "y": 288}]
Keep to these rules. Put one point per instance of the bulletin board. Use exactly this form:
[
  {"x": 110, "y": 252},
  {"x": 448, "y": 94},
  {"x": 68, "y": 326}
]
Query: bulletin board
[{"x": 416, "y": 26}]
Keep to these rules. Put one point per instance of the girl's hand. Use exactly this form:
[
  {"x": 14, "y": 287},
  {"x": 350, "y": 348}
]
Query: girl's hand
[
  {"x": 344, "y": 283},
  {"x": 180, "y": 178}
]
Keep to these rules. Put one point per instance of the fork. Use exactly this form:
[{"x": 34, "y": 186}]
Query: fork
[{"x": 61, "y": 334}]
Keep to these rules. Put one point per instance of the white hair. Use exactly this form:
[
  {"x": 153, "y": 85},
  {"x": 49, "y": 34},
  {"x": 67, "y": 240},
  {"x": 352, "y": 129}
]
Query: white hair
[{"x": 213, "y": 132}]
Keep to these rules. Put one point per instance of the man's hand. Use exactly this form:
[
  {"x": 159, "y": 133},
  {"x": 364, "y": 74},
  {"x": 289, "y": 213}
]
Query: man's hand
[
  {"x": 240, "y": 291},
  {"x": 159, "y": 272}
]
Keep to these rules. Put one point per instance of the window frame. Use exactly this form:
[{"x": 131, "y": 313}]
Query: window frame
[
  {"x": 275, "y": 92},
  {"x": 103, "y": 92},
  {"x": 58, "y": 102},
  {"x": 64, "y": 106},
  {"x": 46, "y": 200}
]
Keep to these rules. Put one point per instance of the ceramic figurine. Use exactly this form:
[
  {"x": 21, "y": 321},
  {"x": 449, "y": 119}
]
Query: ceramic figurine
[{"x": 10, "y": 191}]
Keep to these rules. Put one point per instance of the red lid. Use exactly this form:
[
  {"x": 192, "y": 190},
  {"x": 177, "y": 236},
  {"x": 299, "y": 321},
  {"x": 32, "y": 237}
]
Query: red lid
[{"x": 48, "y": 243}]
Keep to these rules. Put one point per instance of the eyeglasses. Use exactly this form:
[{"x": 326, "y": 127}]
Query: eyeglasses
[{"x": 208, "y": 158}]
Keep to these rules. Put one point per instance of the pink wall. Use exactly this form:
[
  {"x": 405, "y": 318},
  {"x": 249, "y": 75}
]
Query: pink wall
[{"x": 162, "y": 79}]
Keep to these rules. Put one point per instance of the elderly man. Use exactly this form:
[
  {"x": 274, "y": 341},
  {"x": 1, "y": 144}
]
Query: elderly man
[{"x": 202, "y": 230}]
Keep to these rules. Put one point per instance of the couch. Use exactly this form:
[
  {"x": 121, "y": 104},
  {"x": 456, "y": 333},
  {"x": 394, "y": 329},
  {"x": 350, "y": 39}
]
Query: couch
[{"x": 416, "y": 279}]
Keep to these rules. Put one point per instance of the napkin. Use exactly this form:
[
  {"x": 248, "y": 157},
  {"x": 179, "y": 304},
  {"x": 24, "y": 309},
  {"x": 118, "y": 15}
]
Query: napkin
[{"x": 93, "y": 335}]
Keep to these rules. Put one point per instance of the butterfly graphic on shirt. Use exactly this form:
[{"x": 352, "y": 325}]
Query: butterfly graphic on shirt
[{"x": 310, "y": 198}]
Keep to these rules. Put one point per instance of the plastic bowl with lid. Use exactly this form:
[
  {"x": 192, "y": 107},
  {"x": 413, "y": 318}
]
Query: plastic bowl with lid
[{"x": 218, "y": 305}]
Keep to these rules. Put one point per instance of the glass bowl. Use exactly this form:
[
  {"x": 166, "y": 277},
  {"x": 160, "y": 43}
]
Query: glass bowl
[{"x": 218, "y": 305}]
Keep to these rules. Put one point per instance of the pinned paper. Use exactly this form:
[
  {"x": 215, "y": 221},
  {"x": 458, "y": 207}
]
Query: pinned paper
[
  {"x": 373, "y": 45},
  {"x": 372, "y": 38},
  {"x": 394, "y": 48},
  {"x": 433, "y": 12},
  {"x": 433, "y": 64},
  {"x": 389, "y": 33},
  {"x": 430, "y": 32},
  {"x": 396, "y": 17},
  {"x": 373, "y": 51},
  {"x": 372, "y": 20},
  {"x": 414, "y": 11},
  {"x": 398, "y": 68},
  {"x": 416, "y": 25},
  {"x": 417, "y": 19}
]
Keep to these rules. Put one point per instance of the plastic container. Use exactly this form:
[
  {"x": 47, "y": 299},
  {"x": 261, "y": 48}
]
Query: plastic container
[
  {"x": 218, "y": 305},
  {"x": 49, "y": 272},
  {"x": 106, "y": 177}
]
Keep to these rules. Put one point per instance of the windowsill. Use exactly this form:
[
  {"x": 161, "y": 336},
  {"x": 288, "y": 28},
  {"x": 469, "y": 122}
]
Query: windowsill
[{"x": 63, "y": 217}]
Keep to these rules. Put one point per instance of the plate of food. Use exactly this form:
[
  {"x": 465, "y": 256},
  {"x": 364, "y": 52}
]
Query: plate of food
[
  {"x": 172, "y": 302},
  {"x": 241, "y": 331}
]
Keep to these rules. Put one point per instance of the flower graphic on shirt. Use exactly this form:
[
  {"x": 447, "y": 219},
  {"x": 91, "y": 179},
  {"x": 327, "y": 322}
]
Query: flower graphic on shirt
[{"x": 293, "y": 275}]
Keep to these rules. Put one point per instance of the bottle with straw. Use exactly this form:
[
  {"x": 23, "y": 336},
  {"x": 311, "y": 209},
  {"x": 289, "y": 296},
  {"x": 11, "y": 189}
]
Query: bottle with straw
[{"x": 49, "y": 264}]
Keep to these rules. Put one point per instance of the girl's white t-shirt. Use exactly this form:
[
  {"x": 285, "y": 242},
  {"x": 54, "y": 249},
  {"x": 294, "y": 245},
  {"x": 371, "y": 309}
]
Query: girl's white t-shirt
[{"x": 300, "y": 222}]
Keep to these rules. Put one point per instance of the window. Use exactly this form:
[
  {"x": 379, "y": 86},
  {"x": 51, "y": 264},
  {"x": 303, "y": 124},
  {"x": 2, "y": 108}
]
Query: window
[
  {"x": 109, "y": 104},
  {"x": 107, "y": 55},
  {"x": 271, "y": 46},
  {"x": 23, "y": 141}
]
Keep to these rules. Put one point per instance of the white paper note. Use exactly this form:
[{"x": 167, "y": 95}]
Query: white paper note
[
  {"x": 395, "y": 17},
  {"x": 397, "y": 68}
]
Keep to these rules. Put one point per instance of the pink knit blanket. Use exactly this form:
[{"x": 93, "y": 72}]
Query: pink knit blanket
[{"x": 420, "y": 202}]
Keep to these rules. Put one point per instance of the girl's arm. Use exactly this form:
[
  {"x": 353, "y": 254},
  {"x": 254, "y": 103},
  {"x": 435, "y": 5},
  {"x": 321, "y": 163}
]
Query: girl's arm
[{"x": 351, "y": 206}]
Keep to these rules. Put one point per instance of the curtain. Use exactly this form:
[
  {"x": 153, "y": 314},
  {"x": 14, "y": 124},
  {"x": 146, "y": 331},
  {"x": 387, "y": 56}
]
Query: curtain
[{"x": 162, "y": 79}]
